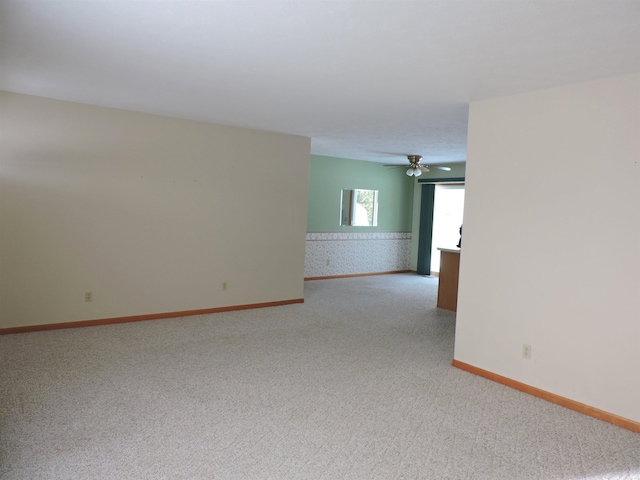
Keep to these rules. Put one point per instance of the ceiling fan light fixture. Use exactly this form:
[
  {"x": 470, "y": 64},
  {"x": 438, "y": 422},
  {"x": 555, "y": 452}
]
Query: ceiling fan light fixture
[{"x": 416, "y": 169}]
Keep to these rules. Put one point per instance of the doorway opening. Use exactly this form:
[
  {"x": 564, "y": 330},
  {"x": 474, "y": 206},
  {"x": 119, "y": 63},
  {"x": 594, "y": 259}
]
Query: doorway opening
[
  {"x": 448, "y": 212},
  {"x": 425, "y": 237}
]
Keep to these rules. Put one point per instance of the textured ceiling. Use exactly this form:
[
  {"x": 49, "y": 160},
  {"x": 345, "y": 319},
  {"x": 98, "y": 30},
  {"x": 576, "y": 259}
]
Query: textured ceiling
[{"x": 371, "y": 80}]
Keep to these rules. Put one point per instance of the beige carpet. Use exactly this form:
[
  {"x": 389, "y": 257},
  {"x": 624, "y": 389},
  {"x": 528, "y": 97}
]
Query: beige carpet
[{"x": 355, "y": 383}]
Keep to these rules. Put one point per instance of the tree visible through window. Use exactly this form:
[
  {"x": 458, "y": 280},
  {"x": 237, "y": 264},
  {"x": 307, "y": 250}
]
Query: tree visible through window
[{"x": 365, "y": 207}]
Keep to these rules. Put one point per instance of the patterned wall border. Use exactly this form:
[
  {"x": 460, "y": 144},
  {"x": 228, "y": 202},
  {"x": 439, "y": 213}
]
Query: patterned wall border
[
  {"x": 334, "y": 254},
  {"x": 337, "y": 236}
]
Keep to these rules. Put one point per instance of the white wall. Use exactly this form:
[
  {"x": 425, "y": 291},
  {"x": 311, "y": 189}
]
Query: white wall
[
  {"x": 149, "y": 213},
  {"x": 551, "y": 253}
]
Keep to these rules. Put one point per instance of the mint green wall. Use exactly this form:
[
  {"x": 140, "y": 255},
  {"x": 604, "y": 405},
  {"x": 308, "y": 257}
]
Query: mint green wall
[{"x": 330, "y": 175}]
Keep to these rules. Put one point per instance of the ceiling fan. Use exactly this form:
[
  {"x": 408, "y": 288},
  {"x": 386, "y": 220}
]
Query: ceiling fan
[{"x": 416, "y": 168}]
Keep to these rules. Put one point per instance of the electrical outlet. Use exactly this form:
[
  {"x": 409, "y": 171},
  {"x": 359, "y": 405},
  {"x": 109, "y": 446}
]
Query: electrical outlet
[
  {"x": 88, "y": 296},
  {"x": 224, "y": 286},
  {"x": 526, "y": 351}
]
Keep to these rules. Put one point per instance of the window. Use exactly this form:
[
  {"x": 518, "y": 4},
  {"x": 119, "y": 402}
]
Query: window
[{"x": 359, "y": 208}]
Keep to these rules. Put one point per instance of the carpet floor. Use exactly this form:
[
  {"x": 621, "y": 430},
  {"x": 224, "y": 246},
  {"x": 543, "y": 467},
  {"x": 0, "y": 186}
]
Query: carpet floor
[{"x": 356, "y": 383}]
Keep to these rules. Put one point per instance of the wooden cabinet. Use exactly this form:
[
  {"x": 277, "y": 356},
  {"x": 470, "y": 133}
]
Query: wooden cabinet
[{"x": 448, "y": 280}]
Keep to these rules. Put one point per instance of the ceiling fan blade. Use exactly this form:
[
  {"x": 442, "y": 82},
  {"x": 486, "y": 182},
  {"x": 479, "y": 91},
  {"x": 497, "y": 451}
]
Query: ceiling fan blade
[
  {"x": 446, "y": 169},
  {"x": 423, "y": 168}
]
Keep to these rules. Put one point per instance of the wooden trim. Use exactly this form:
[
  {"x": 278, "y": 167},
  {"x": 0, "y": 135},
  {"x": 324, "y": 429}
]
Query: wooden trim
[
  {"x": 140, "y": 318},
  {"x": 551, "y": 397},
  {"x": 328, "y": 277}
]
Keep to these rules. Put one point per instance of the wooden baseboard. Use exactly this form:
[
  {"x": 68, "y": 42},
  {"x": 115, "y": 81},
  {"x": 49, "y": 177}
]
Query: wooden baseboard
[
  {"x": 551, "y": 397},
  {"x": 328, "y": 277},
  {"x": 140, "y": 318}
]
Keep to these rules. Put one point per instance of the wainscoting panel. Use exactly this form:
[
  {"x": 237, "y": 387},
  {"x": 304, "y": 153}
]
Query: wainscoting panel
[{"x": 328, "y": 254}]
